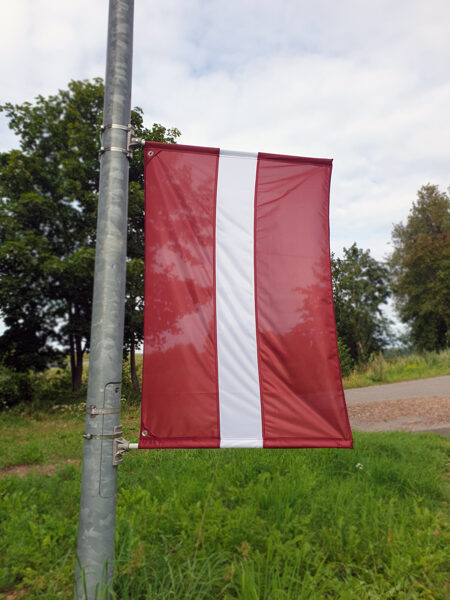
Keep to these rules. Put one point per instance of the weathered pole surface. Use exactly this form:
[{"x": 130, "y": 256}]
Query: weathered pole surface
[{"x": 95, "y": 550}]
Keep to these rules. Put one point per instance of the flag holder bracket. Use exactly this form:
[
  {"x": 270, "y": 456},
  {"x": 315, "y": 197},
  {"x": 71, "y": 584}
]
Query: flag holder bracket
[
  {"x": 133, "y": 142},
  {"x": 120, "y": 446}
]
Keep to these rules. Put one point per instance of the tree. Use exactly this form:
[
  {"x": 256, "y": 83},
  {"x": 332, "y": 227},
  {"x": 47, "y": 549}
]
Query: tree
[
  {"x": 360, "y": 288},
  {"x": 49, "y": 193},
  {"x": 47, "y": 223},
  {"x": 420, "y": 265}
]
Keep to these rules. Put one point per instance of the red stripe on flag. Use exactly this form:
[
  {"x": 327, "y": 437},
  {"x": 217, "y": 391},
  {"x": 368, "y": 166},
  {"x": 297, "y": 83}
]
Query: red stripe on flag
[
  {"x": 301, "y": 389},
  {"x": 179, "y": 398}
]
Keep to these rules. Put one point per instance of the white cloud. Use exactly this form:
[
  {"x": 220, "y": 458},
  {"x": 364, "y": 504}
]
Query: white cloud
[{"x": 362, "y": 82}]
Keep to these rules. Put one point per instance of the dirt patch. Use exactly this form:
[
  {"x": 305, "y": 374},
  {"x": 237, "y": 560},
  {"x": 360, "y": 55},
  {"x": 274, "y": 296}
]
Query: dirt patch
[
  {"x": 24, "y": 470},
  {"x": 406, "y": 414},
  {"x": 15, "y": 594}
]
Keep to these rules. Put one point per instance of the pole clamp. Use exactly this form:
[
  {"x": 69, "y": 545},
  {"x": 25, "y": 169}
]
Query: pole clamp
[
  {"x": 133, "y": 142},
  {"x": 93, "y": 411},
  {"x": 115, "y": 126},
  {"x": 102, "y": 436}
]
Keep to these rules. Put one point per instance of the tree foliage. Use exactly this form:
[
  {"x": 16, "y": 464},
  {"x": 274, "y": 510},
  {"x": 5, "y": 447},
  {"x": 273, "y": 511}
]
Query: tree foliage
[
  {"x": 360, "y": 288},
  {"x": 49, "y": 194},
  {"x": 420, "y": 265}
]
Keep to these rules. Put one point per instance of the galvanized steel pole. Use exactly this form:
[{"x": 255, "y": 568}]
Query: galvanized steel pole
[{"x": 95, "y": 550}]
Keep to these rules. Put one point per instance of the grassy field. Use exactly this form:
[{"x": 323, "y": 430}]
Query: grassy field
[
  {"x": 400, "y": 368},
  {"x": 367, "y": 524}
]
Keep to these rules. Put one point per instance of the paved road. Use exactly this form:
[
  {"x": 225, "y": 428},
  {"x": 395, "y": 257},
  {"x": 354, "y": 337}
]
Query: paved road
[{"x": 419, "y": 388}]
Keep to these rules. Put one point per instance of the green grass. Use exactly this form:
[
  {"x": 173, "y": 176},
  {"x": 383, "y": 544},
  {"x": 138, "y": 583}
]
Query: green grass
[
  {"x": 401, "y": 368},
  {"x": 233, "y": 524}
]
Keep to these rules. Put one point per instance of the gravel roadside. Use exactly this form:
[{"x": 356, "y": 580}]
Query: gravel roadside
[
  {"x": 418, "y": 405},
  {"x": 403, "y": 414}
]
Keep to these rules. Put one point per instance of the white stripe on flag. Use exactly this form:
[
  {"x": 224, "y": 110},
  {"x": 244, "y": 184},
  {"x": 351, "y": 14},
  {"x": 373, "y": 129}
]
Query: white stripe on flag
[{"x": 239, "y": 397}]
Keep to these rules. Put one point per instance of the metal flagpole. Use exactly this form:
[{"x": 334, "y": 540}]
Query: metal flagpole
[{"x": 95, "y": 550}]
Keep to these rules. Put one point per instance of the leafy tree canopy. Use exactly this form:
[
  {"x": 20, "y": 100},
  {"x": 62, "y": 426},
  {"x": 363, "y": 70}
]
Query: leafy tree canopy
[
  {"x": 360, "y": 288},
  {"x": 49, "y": 193},
  {"x": 420, "y": 265}
]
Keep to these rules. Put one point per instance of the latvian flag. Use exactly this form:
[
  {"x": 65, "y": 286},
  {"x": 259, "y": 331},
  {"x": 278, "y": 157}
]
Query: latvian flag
[{"x": 240, "y": 343}]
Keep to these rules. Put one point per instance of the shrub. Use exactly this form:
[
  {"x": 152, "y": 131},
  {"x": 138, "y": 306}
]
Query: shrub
[
  {"x": 345, "y": 358},
  {"x": 14, "y": 387},
  {"x": 34, "y": 391}
]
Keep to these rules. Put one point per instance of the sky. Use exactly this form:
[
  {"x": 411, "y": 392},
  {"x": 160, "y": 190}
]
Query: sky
[{"x": 365, "y": 83}]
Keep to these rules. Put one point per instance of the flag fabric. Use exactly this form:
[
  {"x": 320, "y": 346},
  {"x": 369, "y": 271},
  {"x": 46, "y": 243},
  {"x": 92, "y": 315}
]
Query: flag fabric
[{"x": 240, "y": 345}]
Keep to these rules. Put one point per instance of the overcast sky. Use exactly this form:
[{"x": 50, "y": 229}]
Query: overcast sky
[{"x": 363, "y": 82}]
